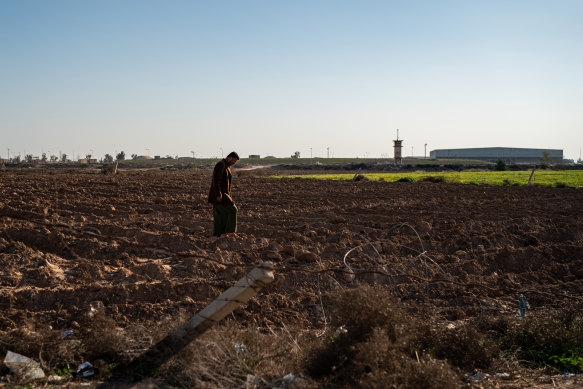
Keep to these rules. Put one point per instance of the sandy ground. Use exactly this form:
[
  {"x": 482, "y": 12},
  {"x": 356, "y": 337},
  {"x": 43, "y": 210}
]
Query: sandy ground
[{"x": 135, "y": 245}]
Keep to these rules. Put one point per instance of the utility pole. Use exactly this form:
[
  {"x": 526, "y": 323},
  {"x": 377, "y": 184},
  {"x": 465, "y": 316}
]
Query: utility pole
[
  {"x": 425, "y": 152},
  {"x": 328, "y": 152}
]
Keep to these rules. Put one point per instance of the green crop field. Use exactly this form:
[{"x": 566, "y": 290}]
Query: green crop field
[{"x": 570, "y": 178}]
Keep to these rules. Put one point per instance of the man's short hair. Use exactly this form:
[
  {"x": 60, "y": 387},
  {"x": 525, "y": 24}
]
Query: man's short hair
[{"x": 233, "y": 154}]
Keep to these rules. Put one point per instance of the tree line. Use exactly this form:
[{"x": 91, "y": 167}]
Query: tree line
[{"x": 29, "y": 158}]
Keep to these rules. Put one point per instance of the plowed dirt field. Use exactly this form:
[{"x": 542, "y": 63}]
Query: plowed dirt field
[{"x": 135, "y": 246}]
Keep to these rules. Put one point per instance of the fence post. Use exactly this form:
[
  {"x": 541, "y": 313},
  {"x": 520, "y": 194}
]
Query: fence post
[{"x": 530, "y": 178}]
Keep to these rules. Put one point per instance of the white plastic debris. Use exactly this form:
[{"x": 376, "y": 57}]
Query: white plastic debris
[{"x": 25, "y": 368}]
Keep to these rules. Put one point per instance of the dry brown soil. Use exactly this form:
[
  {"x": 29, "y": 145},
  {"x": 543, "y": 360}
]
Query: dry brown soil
[{"x": 136, "y": 246}]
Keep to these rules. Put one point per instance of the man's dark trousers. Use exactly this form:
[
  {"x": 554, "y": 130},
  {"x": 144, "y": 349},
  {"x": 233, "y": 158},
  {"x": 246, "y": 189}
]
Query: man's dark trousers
[{"x": 225, "y": 219}]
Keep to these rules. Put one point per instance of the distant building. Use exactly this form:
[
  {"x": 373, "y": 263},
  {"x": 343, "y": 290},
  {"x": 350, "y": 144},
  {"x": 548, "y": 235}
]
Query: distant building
[
  {"x": 254, "y": 156},
  {"x": 86, "y": 161},
  {"x": 492, "y": 154}
]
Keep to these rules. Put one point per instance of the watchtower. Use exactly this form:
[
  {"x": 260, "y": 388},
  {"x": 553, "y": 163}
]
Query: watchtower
[{"x": 398, "y": 145}]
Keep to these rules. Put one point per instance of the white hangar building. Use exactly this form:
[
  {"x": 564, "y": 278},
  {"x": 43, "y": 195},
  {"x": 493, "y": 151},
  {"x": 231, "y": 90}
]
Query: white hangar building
[{"x": 492, "y": 154}]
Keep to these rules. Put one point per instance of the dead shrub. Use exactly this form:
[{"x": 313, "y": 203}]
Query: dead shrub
[
  {"x": 373, "y": 344},
  {"x": 380, "y": 364},
  {"x": 225, "y": 355},
  {"x": 363, "y": 309},
  {"x": 464, "y": 347}
]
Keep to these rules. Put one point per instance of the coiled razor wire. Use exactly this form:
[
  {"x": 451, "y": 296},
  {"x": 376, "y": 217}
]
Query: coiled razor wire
[{"x": 421, "y": 255}]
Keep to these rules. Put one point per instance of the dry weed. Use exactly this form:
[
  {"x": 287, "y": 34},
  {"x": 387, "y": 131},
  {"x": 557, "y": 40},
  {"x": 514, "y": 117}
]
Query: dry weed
[
  {"x": 227, "y": 355},
  {"x": 374, "y": 344}
]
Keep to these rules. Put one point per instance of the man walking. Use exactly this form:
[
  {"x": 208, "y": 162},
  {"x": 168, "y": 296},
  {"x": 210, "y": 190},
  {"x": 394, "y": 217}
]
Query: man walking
[{"x": 224, "y": 209}]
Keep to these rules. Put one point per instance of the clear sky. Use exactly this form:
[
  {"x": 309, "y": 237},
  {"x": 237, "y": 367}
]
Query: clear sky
[{"x": 274, "y": 77}]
